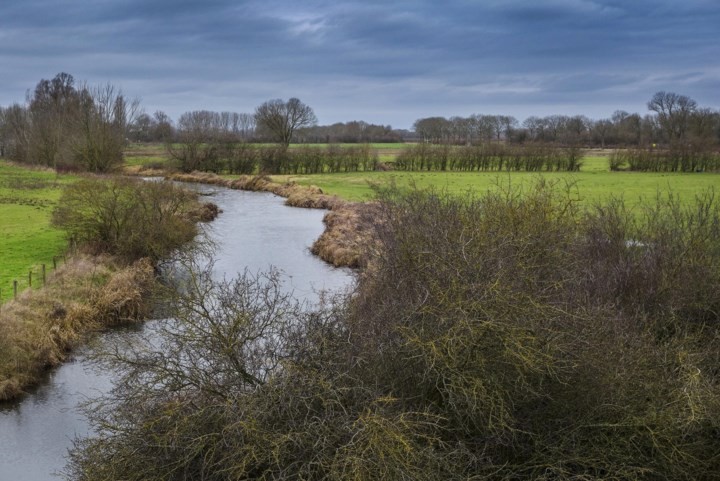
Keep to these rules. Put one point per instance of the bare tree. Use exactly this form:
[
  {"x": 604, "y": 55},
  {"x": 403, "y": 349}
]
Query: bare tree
[
  {"x": 281, "y": 119},
  {"x": 673, "y": 112},
  {"x": 52, "y": 108},
  {"x": 602, "y": 130},
  {"x": 246, "y": 125},
  {"x": 101, "y": 127},
  {"x": 164, "y": 127},
  {"x": 433, "y": 129}
]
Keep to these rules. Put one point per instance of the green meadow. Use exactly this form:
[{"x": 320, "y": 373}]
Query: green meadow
[
  {"x": 27, "y": 240},
  {"x": 594, "y": 182}
]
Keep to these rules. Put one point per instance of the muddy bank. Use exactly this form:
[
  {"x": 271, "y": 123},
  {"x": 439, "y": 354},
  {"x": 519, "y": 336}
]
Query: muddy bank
[{"x": 348, "y": 225}]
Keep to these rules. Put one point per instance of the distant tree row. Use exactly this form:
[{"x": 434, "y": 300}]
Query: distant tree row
[
  {"x": 350, "y": 133},
  {"x": 62, "y": 125},
  {"x": 677, "y": 159},
  {"x": 674, "y": 119},
  {"x": 65, "y": 125},
  {"x": 465, "y": 130},
  {"x": 277, "y": 121}
]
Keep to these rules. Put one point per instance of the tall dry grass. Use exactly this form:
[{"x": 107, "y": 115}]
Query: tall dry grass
[{"x": 88, "y": 293}]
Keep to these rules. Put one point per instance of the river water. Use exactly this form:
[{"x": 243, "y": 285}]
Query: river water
[{"x": 255, "y": 231}]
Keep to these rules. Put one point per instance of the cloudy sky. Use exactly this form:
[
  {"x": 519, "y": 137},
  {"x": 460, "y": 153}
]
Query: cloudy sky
[{"x": 387, "y": 62}]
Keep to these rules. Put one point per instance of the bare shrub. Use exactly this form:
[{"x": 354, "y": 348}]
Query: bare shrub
[
  {"x": 509, "y": 336},
  {"x": 127, "y": 217}
]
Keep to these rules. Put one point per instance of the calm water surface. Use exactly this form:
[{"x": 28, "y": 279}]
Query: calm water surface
[{"x": 255, "y": 231}]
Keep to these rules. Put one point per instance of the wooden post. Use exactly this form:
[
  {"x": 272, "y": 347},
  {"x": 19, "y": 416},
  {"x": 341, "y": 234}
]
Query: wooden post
[
  {"x": 15, "y": 290},
  {"x": 44, "y": 277},
  {"x": 54, "y": 263},
  {"x": 30, "y": 278}
]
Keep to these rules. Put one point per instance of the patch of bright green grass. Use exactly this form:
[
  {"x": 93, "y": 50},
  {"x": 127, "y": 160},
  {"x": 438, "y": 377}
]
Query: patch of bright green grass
[
  {"x": 27, "y": 240},
  {"x": 145, "y": 154},
  {"x": 589, "y": 185}
]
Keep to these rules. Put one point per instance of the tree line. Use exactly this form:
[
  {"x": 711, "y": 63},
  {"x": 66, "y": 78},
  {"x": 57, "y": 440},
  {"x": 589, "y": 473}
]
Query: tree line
[
  {"x": 67, "y": 125},
  {"x": 673, "y": 120},
  {"x": 248, "y": 159},
  {"x": 530, "y": 157}
]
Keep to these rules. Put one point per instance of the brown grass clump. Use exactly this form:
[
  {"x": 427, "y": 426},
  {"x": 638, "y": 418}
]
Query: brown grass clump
[
  {"x": 349, "y": 230},
  {"x": 122, "y": 298},
  {"x": 311, "y": 197},
  {"x": 41, "y": 326},
  {"x": 142, "y": 171}
]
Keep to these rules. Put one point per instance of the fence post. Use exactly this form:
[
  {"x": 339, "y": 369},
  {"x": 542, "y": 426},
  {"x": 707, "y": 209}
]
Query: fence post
[
  {"x": 15, "y": 289},
  {"x": 54, "y": 263},
  {"x": 43, "y": 274},
  {"x": 30, "y": 278}
]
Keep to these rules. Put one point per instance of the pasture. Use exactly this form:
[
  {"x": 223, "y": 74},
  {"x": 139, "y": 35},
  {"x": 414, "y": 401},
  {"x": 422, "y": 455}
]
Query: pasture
[
  {"x": 27, "y": 240},
  {"x": 593, "y": 182}
]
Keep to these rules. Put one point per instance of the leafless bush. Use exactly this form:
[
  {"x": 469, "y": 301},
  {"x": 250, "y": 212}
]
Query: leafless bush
[
  {"x": 509, "y": 336},
  {"x": 128, "y": 217}
]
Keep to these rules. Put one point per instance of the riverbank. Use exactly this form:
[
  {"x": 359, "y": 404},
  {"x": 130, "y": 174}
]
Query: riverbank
[
  {"x": 120, "y": 229},
  {"x": 41, "y": 327}
]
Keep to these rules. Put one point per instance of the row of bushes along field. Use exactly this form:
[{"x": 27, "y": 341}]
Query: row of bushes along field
[
  {"x": 489, "y": 157},
  {"x": 511, "y": 336},
  {"x": 665, "y": 160},
  {"x": 248, "y": 159},
  {"x": 239, "y": 158}
]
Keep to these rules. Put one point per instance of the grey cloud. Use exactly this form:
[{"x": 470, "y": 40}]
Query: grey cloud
[{"x": 373, "y": 58}]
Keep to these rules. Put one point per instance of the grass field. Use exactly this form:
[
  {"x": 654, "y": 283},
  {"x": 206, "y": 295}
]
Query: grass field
[
  {"x": 145, "y": 154},
  {"x": 27, "y": 239},
  {"x": 590, "y": 184},
  {"x": 593, "y": 182}
]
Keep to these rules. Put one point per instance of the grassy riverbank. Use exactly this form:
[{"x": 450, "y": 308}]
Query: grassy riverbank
[
  {"x": 39, "y": 328},
  {"x": 122, "y": 228}
]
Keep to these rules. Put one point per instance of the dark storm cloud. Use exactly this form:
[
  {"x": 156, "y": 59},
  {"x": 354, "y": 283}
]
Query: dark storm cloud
[{"x": 388, "y": 62}]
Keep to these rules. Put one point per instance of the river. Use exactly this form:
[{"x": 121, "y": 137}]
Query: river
[{"x": 255, "y": 231}]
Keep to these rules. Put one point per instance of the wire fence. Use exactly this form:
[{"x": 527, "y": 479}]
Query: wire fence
[{"x": 11, "y": 287}]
